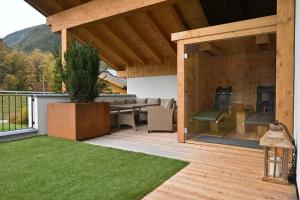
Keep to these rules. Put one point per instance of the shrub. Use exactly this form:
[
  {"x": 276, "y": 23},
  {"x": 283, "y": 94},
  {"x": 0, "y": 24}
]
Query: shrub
[
  {"x": 81, "y": 72},
  {"x": 57, "y": 72}
]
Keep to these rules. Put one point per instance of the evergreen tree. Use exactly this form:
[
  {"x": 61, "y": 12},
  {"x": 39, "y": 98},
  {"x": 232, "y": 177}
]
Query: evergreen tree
[
  {"x": 57, "y": 72},
  {"x": 81, "y": 74}
]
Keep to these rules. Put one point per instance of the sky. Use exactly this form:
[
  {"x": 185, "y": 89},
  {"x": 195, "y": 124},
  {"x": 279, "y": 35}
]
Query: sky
[{"x": 16, "y": 15}]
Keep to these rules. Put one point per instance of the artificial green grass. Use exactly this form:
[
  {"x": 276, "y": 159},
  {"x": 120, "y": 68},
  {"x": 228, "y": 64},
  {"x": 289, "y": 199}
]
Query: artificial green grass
[{"x": 51, "y": 168}]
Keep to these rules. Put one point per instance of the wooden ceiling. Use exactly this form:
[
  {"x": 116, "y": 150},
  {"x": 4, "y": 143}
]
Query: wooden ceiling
[
  {"x": 140, "y": 38},
  {"x": 136, "y": 38}
]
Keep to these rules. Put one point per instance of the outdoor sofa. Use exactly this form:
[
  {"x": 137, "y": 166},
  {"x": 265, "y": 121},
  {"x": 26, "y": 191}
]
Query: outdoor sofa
[{"x": 156, "y": 114}]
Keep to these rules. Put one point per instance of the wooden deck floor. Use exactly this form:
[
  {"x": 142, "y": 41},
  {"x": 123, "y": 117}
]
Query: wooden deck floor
[{"x": 215, "y": 172}]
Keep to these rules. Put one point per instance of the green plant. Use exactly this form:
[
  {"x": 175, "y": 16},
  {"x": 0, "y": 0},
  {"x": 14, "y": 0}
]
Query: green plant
[
  {"x": 57, "y": 72},
  {"x": 81, "y": 72}
]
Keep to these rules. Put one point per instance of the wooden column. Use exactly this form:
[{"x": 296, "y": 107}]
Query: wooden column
[
  {"x": 65, "y": 42},
  {"x": 180, "y": 92},
  {"x": 285, "y": 62}
]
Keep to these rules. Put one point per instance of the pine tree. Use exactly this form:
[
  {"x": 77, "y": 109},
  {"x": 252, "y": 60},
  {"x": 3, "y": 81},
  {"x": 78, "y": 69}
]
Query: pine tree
[
  {"x": 57, "y": 72},
  {"x": 81, "y": 73}
]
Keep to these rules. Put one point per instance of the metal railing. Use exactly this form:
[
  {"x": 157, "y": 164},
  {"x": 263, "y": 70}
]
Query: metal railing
[{"x": 16, "y": 110}]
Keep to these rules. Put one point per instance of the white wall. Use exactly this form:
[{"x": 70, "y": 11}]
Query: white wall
[
  {"x": 155, "y": 86},
  {"x": 297, "y": 88}
]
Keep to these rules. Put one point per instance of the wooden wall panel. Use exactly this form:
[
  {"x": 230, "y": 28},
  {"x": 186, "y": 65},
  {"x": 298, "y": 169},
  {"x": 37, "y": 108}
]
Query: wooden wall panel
[
  {"x": 243, "y": 72},
  {"x": 203, "y": 74},
  {"x": 167, "y": 68},
  {"x": 196, "y": 82}
]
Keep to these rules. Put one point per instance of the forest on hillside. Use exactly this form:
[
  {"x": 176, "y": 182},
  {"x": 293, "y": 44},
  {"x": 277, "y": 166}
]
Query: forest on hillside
[
  {"x": 36, "y": 37},
  {"x": 27, "y": 62},
  {"x": 25, "y": 71}
]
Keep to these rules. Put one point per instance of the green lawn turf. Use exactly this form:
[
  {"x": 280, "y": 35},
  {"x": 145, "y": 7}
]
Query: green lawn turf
[{"x": 50, "y": 168}]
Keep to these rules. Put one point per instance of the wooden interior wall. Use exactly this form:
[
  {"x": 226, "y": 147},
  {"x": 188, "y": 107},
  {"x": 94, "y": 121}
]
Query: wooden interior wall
[
  {"x": 204, "y": 73},
  {"x": 196, "y": 69},
  {"x": 169, "y": 67},
  {"x": 243, "y": 72}
]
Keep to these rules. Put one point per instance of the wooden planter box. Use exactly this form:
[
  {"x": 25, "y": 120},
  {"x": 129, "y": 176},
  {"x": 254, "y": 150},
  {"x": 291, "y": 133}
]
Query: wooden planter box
[{"x": 78, "y": 121}]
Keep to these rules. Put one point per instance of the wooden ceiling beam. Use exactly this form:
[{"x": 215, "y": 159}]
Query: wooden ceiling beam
[
  {"x": 125, "y": 41},
  {"x": 86, "y": 37},
  {"x": 148, "y": 44},
  {"x": 263, "y": 42},
  {"x": 96, "y": 10},
  {"x": 108, "y": 43},
  {"x": 179, "y": 18},
  {"x": 209, "y": 49},
  {"x": 155, "y": 24},
  {"x": 252, "y": 26}
]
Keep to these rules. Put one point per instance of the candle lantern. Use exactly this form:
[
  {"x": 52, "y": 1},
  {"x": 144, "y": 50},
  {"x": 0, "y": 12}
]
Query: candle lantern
[{"x": 277, "y": 147}]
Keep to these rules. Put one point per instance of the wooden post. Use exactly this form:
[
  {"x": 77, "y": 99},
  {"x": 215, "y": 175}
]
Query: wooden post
[
  {"x": 65, "y": 42},
  {"x": 180, "y": 92},
  {"x": 285, "y": 62}
]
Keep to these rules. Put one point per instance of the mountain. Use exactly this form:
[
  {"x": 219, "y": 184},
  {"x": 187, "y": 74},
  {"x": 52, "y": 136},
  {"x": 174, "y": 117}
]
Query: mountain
[{"x": 36, "y": 37}]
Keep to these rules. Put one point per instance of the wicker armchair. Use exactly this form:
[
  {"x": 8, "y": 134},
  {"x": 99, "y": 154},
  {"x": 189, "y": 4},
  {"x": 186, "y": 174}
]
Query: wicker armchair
[{"x": 160, "y": 119}]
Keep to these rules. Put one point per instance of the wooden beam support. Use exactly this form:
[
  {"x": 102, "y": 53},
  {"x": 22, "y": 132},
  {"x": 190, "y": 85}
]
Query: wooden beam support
[
  {"x": 144, "y": 39},
  {"x": 160, "y": 30},
  {"x": 66, "y": 39},
  {"x": 231, "y": 30},
  {"x": 209, "y": 49},
  {"x": 180, "y": 93},
  {"x": 179, "y": 18},
  {"x": 108, "y": 43},
  {"x": 263, "y": 42},
  {"x": 285, "y": 62},
  {"x": 86, "y": 37},
  {"x": 97, "y": 10},
  {"x": 126, "y": 41}
]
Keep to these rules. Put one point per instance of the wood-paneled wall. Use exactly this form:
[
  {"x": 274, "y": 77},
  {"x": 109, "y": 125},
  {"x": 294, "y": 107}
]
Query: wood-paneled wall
[
  {"x": 196, "y": 69},
  {"x": 243, "y": 72},
  {"x": 169, "y": 67}
]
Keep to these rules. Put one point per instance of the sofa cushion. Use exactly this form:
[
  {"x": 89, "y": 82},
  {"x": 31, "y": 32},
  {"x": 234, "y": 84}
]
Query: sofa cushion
[
  {"x": 130, "y": 101},
  {"x": 167, "y": 103},
  {"x": 153, "y": 100},
  {"x": 140, "y": 100},
  {"x": 120, "y": 102}
]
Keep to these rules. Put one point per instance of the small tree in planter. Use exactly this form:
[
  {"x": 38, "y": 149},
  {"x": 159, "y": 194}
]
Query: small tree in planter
[
  {"x": 82, "y": 118},
  {"x": 81, "y": 73}
]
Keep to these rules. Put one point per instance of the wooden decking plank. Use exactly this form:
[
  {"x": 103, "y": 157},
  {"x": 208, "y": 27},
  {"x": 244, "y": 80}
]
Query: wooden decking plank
[
  {"x": 186, "y": 155},
  {"x": 215, "y": 172}
]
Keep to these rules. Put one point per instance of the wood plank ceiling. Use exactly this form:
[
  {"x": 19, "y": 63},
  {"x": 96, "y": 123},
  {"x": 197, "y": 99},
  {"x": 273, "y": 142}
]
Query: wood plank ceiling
[
  {"x": 141, "y": 38},
  {"x": 144, "y": 37}
]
